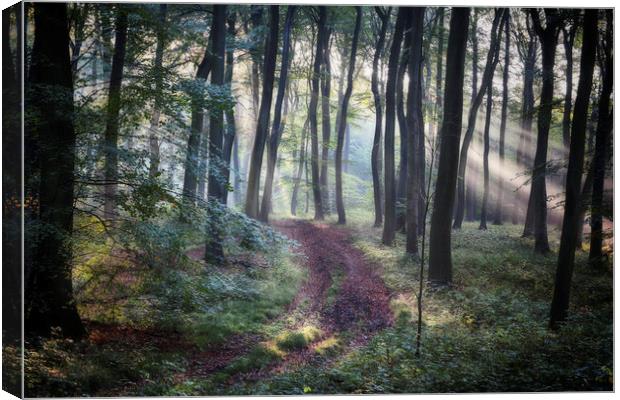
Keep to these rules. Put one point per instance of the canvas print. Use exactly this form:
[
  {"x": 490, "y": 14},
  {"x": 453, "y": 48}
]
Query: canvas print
[{"x": 258, "y": 199}]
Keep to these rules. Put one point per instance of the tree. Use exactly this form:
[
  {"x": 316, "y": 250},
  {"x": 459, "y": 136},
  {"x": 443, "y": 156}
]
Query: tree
[
  {"x": 215, "y": 186},
  {"x": 157, "y": 101},
  {"x": 415, "y": 126},
  {"x": 314, "y": 99},
  {"x": 548, "y": 37},
  {"x": 440, "y": 256},
  {"x": 278, "y": 124},
  {"x": 262, "y": 127},
  {"x": 326, "y": 79},
  {"x": 49, "y": 295},
  {"x": 192, "y": 158},
  {"x": 389, "y": 227},
  {"x": 502, "y": 128},
  {"x": 485, "y": 159},
  {"x": 603, "y": 128},
  {"x": 230, "y": 141},
  {"x": 113, "y": 113},
  {"x": 487, "y": 79},
  {"x": 566, "y": 255},
  {"x": 472, "y": 187},
  {"x": 342, "y": 123},
  {"x": 568, "y": 35},
  {"x": 375, "y": 158}
]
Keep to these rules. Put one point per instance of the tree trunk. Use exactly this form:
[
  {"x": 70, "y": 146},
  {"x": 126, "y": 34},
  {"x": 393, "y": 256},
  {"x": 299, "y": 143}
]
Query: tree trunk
[
  {"x": 230, "y": 141},
  {"x": 472, "y": 187},
  {"x": 440, "y": 256},
  {"x": 278, "y": 124},
  {"x": 569, "y": 39},
  {"x": 487, "y": 79},
  {"x": 401, "y": 187},
  {"x": 262, "y": 127},
  {"x": 300, "y": 167},
  {"x": 548, "y": 39},
  {"x": 603, "y": 128},
  {"x": 415, "y": 126},
  {"x": 343, "y": 117},
  {"x": 389, "y": 227},
  {"x": 485, "y": 159},
  {"x": 326, "y": 78},
  {"x": 314, "y": 98},
  {"x": 112, "y": 114},
  {"x": 376, "y": 142},
  {"x": 502, "y": 128},
  {"x": 49, "y": 295},
  {"x": 566, "y": 256},
  {"x": 159, "y": 77},
  {"x": 214, "y": 253},
  {"x": 192, "y": 159}
]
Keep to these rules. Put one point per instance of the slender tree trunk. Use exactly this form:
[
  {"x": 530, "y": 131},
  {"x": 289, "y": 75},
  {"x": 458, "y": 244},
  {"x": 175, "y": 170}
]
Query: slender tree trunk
[
  {"x": 569, "y": 39},
  {"x": 415, "y": 126},
  {"x": 376, "y": 142},
  {"x": 502, "y": 128},
  {"x": 230, "y": 142},
  {"x": 192, "y": 158},
  {"x": 401, "y": 187},
  {"x": 389, "y": 227},
  {"x": 487, "y": 79},
  {"x": 485, "y": 159},
  {"x": 604, "y": 126},
  {"x": 203, "y": 160},
  {"x": 300, "y": 167},
  {"x": 112, "y": 114},
  {"x": 49, "y": 293},
  {"x": 314, "y": 98},
  {"x": 440, "y": 253},
  {"x": 262, "y": 128},
  {"x": 214, "y": 253},
  {"x": 472, "y": 187},
  {"x": 326, "y": 78},
  {"x": 548, "y": 39},
  {"x": 566, "y": 255},
  {"x": 159, "y": 77},
  {"x": 343, "y": 119},
  {"x": 278, "y": 124}
]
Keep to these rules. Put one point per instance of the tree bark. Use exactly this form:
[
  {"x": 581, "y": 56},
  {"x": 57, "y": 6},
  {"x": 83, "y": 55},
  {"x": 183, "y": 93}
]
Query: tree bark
[
  {"x": 230, "y": 141},
  {"x": 314, "y": 98},
  {"x": 326, "y": 78},
  {"x": 278, "y": 124},
  {"x": 485, "y": 159},
  {"x": 487, "y": 79},
  {"x": 401, "y": 187},
  {"x": 112, "y": 114},
  {"x": 568, "y": 40},
  {"x": 415, "y": 126},
  {"x": 214, "y": 253},
  {"x": 566, "y": 255},
  {"x": 262, "y": 127},
  {"x": 49, "y": 293},
  {"x": 502, "y": 128},
  {"x": 389, "y": 227},
  {"x": 343, "y": 118},
  {"x": 548, "y": 39},
  {"x": 159, "y": 77},
  {"x": 376, "y": 142},
  {"x": 440, "y": 256},
  {"x": 603, "y": 128}
]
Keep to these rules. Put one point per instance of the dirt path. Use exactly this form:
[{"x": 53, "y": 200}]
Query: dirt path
[{"x": 358, "y": 303}]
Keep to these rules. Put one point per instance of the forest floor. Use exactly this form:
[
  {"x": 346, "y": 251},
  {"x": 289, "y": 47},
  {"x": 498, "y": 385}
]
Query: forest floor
[{"x": 346, "y": 323}]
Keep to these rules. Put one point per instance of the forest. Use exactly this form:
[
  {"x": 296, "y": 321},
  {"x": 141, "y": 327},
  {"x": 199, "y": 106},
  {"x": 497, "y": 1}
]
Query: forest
[{"x": 219, "y": 199}]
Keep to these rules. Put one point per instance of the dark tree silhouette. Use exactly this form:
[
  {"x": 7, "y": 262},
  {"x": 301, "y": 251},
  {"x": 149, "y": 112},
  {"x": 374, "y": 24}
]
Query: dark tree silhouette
[
  {"x": 375, "y": 160},
  {"x": 230, "y": 141},
  {"x": 485, "y": 159},
  {"x": 262, "y": 127},
  {"x": 157, "y": 96},
  {"x": 389, "y": 226},
  {"x": 113, "y": 114},
  {"x": 326, "y": 87},
  {"x": 566, "y": 255},
  {"x": 440, "y": 255},
  {"x": 604, "y": 126},
  {"x": 49, "y": 291},
  {"x": 343, "y": 119},
  {"x": 568, "y": 35}
]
